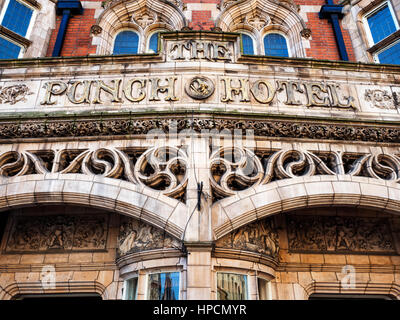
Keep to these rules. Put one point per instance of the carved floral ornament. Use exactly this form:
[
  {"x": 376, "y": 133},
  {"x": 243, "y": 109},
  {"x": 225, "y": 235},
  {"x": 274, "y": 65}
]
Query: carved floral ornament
[{"x": 15, "y": 93}]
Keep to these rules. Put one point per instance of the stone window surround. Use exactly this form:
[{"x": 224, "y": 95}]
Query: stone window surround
[
  {"x": 153, "y": 266},
  {"x": 374, "y": 49},
  {"x": 13, "y": 37},
  {"x": 242, "y": 268}
]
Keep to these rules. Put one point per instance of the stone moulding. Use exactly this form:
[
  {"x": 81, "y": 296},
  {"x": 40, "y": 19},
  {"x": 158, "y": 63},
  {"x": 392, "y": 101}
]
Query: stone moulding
[{"x": 133, "y": 125}]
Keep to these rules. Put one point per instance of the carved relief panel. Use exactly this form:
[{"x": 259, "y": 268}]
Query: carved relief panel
[
  {"x": 334, "y": 234},
  {"x": 57, "y": 233},
  {"x": 136, "y": 236},
  {"x": 260, "y": 237}
]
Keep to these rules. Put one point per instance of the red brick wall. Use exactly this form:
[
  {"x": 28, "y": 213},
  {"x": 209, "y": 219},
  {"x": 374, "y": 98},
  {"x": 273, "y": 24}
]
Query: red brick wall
[
  {"x": 78, "y": 41},
  {"x": 322, "y": 46}
]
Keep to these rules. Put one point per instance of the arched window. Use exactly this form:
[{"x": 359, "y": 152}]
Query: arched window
[
  {"x": 275, "y": 45},
  {"x": 153, "y": 42},
  {"x": 126, "y": 42},
  {"x": 247, "y": 44}
]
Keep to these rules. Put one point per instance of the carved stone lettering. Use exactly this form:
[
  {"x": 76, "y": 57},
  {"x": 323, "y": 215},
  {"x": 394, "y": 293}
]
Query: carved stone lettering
[
  {"x": 339, "y": 234},
  {"x": 243, "y": 89},
  {"x": 263, "y": 91},
  {"x": 260, "y": 237},
  {"x": 55, "y": 233},
  {"x": 168, "y": 88},
  {"x": 53, "y": 88},
  {"x": 136, "y": 236},
  {"x": 200, "y": 50}
]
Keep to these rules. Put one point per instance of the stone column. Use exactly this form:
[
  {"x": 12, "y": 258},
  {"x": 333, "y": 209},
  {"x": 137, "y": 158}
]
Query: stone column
[{"x": 199, "y": 270}]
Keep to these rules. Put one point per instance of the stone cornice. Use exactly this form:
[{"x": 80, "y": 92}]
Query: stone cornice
[
  {"x": 154, "y": 57},
  {"x": 110, "y": 126}
]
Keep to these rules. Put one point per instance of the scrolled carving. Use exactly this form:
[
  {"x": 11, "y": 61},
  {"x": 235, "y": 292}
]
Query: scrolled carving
[
  {"x": 234, "y": 169},
  {"x": 163, "y": 168},
  {"x": 227, "y": 177}
]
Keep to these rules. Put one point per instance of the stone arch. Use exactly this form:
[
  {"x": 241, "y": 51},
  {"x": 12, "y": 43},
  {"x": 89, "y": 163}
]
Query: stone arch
[
  {"x": 36, "y": 287},
  {"x": 122, "y": 13},
  {"x": 362, "y": 288},
  {"x": 103, "y": 193},
  {"x": 300, "y": 193},
  {"x": 265, "y": 13}
]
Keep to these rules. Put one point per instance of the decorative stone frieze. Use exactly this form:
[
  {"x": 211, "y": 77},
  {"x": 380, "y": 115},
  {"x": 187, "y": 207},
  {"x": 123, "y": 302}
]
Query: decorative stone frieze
[
  {"x": 130, "y": 125},
  {"x": 335, "y": 234},
  {"x": 57, "y": 233},
  {"x": 260, "y": 237}
]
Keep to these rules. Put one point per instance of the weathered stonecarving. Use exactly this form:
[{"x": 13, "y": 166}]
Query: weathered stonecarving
[
  {"x": 259, "y": 237},
  {"x": 57, "y": 233},
  {"x": 135, "y": 236},
  {"x": 336, "y": 234}
]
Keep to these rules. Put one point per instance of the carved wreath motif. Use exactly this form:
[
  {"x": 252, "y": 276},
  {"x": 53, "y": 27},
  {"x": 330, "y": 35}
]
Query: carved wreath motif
[{"x": 14, "y": 94}]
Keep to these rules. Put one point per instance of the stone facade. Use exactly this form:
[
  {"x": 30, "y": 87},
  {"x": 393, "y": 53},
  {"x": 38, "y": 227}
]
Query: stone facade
[{"x": 199, "y": 160}]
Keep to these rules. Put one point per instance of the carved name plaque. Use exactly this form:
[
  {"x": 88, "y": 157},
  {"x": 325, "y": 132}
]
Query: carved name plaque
[
  {"x": 200, "y": 50},
  {"x": 57, "y": 233},
  {"x": 335, "y": 234},
  {"x": 236, "y": 90},
  {"x": 260, "y": 237},
  {"x": 135, "y": 236}
]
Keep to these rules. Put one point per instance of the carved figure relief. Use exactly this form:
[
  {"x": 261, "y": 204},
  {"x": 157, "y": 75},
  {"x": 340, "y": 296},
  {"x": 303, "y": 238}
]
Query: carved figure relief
[
  {"x": 14, "y": 94},
  {"x": 381, "y": 99},
  {"x": 339, "y": 234},
  {"x": 58, "y": 233},
  {"x": 260, "y": 237},
  {"x": 136, "y": 236}
]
